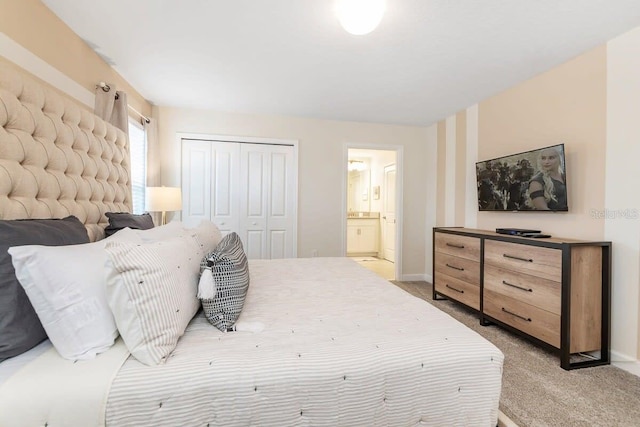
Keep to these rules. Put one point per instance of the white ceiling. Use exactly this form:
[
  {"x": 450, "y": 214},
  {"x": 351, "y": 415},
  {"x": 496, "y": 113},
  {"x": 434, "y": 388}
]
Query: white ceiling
[{"x": 427, "y": 59}]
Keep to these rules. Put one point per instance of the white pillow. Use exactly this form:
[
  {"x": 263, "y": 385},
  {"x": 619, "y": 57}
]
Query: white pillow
[
  {"x": 67, "y": 287},
  {"x": 151, "y": 289},
  {"x": 163, "y": 232},
  {"x": 207, "y": 233}
]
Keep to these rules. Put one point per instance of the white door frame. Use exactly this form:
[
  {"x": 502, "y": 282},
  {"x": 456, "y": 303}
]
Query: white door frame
[
  {"x": 253, "y": 140},
  {"x": 399, "y": 189}
]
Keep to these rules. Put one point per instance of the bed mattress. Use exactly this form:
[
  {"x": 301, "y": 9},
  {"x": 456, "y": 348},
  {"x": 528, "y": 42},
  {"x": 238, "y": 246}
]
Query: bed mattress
[{"x": 330, "y": 344}]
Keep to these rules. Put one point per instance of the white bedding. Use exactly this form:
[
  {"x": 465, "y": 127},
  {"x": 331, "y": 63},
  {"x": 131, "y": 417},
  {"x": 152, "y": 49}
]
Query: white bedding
[
  {"x": 14, "y": 364},
  {"x": 340, "y": 347},
  {"x": 53, "y": 391}
]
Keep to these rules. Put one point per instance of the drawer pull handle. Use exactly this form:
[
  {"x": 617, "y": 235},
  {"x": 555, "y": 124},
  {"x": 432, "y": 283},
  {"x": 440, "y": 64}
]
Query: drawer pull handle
[
  {"x": 504, "y": 282},
  {"x": 526, "y": 319},
  {"x": 455, "y": 246},
  {"x": 454, "y": 267},
  {"x": 454, "y": 289},
  {"x": 517, "y": 257}
]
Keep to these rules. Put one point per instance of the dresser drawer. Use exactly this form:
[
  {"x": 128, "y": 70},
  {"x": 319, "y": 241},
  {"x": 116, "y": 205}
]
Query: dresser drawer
[
  {"x": 536, "y": 291},
  {"x": 532, "y": 320},
  {"x": 461, "y": 246},
  {"x": 458, "y": 268},
  {"x": 533, "y": 260},
  {"x": 458, "y": 290}
]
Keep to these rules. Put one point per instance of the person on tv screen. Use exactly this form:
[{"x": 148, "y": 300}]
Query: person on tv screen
[{"x": 547, "y": 188}]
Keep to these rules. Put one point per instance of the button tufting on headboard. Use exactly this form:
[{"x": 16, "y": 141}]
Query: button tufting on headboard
[{"x": 57, "y": 159}]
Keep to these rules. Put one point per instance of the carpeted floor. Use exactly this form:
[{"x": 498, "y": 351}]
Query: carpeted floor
[{"x": 537, "y": 392}]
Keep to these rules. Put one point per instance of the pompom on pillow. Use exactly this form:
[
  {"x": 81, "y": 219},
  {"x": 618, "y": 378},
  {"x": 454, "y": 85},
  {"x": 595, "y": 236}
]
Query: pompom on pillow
[{"x": 224, "y": 282}]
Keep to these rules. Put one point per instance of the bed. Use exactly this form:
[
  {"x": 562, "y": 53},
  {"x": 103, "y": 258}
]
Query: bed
[{"x": 319, "y": 342}]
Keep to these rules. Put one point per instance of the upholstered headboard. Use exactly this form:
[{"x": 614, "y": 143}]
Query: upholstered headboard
[{"x": 57, "y": 159}]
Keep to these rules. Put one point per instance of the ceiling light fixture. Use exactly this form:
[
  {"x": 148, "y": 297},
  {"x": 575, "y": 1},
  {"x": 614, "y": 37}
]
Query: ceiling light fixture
[{"x": 360, "y": 17}]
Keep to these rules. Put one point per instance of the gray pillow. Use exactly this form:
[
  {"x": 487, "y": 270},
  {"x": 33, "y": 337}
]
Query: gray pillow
[
  {"x": 120, "y": 220},
  {"x": 230, "y": 270},
  {"x": 20, "y": 328}
]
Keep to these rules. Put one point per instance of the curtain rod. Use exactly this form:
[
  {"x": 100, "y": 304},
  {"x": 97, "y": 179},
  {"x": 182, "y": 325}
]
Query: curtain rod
[
  {"x": 105, "y": 87},
  {"x": 142, "y": 116}
]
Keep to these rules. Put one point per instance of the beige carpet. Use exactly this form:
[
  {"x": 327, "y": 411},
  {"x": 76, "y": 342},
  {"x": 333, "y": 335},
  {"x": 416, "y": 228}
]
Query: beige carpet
[{"x": 537, "y": 392}]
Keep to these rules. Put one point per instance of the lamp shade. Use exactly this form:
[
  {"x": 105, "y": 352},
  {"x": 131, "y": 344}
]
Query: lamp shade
[{"x": 163, "y": 199}]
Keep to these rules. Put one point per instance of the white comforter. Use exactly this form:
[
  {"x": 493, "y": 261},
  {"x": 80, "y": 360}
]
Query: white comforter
[{"x": 340, "y": 347}]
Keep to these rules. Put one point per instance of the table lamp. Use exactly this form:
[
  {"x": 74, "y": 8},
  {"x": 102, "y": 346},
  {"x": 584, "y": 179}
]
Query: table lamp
[{"x": 163, "y": 199}]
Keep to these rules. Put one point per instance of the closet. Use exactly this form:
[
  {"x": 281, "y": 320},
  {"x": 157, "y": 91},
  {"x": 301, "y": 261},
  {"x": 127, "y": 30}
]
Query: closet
[{"x": 246, "y": 187}]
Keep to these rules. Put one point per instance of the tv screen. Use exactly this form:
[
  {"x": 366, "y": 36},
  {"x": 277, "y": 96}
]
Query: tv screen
[{"x": 531, "y": 181}]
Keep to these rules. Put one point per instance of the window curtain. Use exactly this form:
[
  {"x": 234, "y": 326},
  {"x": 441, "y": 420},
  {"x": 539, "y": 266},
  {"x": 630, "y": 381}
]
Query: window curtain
[
  {"x": 111, "y": 106},
  {"x": 153, "y": 159}
]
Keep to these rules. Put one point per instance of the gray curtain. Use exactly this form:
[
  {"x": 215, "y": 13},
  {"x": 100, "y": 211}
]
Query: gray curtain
[
  {"x": 153, "y": 153},
  {"x": 111, "y": 106},
  {"x": 153, "y": 160}
]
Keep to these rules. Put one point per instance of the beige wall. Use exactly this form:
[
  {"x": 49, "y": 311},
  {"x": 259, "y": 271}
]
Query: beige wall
[
  {"x": 565, "y": 105},
  {"x": 622, "y": 199},
  {"x": 322, "y": 162},
  {"x": 33, "y": 26},
  {"x": 441, "y": 172},
  {"x": 461, "y": 167}
]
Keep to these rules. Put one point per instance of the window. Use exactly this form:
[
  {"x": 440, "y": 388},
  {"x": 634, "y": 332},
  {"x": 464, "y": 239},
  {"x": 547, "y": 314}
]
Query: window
[{"x": 138, "y": 149}]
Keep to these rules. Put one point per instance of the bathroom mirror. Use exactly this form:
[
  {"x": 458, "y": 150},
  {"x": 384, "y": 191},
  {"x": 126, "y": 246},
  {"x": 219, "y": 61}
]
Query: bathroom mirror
[{"x": 359, "y": 191}]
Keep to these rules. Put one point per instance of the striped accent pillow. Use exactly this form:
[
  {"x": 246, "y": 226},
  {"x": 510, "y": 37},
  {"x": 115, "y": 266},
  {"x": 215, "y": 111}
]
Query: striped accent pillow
[
  {"x": 151, "y": 290},
  {"x": 230, "y": 271}
]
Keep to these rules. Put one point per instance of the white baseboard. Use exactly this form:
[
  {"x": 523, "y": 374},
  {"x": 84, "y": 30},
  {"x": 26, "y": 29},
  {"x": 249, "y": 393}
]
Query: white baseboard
[
  {"x": 414, "y": 278},
  {"x": 625, "y": 362},
  {"x": 621, "y": 357},
  {"x": 632, "y": 367}
]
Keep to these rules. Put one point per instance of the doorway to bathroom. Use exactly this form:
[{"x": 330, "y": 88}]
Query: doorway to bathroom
[{"x": 372, "y": 211}]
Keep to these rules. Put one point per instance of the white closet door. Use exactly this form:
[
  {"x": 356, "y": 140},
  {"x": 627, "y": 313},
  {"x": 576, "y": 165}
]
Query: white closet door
[
  {"x": 210, "y": 183},
  {"x": 266, "y": 206},
  {"x": 243, "y": 187}
]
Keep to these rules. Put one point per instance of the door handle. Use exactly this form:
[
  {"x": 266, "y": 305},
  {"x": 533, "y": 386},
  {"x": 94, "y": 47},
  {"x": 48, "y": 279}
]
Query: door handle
[
  {"x": 254, "y": 223},
  {"x": 384, "y": 217}
]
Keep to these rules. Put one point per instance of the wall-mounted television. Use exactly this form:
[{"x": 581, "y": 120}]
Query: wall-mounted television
[{"x": 534, "y": 180}]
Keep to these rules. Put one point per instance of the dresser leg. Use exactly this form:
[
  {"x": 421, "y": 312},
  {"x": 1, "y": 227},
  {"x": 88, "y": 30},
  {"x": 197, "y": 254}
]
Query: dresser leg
[
  {"x": 484, "y": 321},
  {"x": 438, "y": 297}
]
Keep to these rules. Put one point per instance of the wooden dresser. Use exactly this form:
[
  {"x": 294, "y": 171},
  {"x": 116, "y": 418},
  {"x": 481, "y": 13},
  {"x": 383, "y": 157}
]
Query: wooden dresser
[{"x": 554, "y": 291}]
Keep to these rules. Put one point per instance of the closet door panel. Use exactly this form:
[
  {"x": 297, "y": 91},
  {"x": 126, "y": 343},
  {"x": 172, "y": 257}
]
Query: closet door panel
[
  {"x": 281, "y": 202},
  {"x": 225, "y": 186},
  {"x": 253, "y": 205},
  {"x": 254, "y": 243},
  {"x": 278, "y": 244},
  {"x": 196, "y": 182}
]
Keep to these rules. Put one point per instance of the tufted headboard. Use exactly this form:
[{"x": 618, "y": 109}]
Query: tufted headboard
[{"x": 57, "y": 159}]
